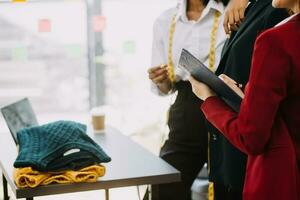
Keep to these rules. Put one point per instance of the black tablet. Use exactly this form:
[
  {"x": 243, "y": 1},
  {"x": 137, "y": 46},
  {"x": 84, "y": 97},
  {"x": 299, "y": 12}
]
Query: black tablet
[
  {"x": 200, "y": 72},
  {"x": 19, "y": 115}
]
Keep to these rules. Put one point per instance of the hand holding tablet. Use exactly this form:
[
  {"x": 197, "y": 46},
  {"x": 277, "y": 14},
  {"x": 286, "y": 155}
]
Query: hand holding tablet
[{"x": 201, "y": 73}]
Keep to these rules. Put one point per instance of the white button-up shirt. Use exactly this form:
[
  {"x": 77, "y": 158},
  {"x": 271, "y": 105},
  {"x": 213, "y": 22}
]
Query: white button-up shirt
[{"x": 194, "y": 36}]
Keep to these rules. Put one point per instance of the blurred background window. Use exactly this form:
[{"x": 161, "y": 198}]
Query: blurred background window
[
  {"x": 127, "y": 42},
  {"x": 43, "y": 55},
  {"x": 69, "y": 56}
]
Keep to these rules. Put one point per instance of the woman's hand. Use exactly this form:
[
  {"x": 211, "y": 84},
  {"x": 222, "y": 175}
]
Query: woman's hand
[
  {"x": 232, "y": 84},
  {"x": 159, "y": 75},
  {"x": 234, "y": 15},
  {"x": 201, "y": 90}
]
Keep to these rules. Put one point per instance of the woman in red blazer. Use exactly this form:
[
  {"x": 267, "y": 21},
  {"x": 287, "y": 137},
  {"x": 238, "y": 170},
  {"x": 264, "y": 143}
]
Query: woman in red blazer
[{"x": 267, "y": 127}]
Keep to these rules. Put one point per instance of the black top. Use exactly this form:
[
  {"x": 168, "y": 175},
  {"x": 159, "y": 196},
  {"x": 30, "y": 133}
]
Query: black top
[{"x": 228, "y": 164}]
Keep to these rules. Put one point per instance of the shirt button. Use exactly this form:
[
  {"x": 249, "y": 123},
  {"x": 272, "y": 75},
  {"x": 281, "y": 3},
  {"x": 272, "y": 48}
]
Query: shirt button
[{"x": 214, "y": 137}]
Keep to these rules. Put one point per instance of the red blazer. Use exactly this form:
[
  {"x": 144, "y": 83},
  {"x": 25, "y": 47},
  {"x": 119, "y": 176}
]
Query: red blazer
[{"x": 267, "y": 127}]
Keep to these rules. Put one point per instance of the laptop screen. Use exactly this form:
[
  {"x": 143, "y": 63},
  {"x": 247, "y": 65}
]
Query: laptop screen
[{"x": 19, "y": 115}]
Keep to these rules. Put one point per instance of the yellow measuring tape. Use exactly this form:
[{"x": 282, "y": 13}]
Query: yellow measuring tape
[{"x": 212, "y": 51}]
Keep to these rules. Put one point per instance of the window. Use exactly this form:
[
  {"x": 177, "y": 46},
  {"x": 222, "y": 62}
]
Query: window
[
  {"x": 127, "y": 43},
  {"x": 44, "y": 56}
]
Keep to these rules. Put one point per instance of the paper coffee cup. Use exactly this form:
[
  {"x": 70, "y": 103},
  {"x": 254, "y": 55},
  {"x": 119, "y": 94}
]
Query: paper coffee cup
[{"x": 98, "y": 120}]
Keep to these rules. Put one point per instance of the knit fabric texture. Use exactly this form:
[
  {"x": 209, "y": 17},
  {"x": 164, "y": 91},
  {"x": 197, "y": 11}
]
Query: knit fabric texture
[
  {"x": 58, "y": 146},
  {"x": 27, "y": 177}
]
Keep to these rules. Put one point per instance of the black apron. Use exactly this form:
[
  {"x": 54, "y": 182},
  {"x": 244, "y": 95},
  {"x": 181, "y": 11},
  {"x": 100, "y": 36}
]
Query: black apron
[
  {"x": 186, "y": 147},
  {"x": 186, "y": 121}
]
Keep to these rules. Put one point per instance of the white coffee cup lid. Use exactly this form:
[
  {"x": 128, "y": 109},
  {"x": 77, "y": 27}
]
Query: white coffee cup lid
[{"x": 98, "y": 111}]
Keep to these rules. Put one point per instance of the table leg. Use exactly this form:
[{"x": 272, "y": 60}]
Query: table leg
[
  {"x": 107, "y": 194},
  {"x": 151, "y": 193},
  {"x": 138, "y": 192},
  {"x": 147, "y": 194},
  {"x": 154, "y": 192},
  {"x": 31, "y": 198},
  {"x": 5, "y": 191}
]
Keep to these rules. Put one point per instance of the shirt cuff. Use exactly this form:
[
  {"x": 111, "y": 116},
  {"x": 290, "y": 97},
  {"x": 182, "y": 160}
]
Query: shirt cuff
[{"x": 157, "y": 91}]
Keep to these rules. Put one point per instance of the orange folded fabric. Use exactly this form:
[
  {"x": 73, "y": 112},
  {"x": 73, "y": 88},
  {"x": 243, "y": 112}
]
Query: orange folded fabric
[{"x": 27, "y": 177}]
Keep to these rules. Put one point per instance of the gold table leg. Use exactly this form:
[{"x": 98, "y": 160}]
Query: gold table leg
[{"x": 107, "y": 194}]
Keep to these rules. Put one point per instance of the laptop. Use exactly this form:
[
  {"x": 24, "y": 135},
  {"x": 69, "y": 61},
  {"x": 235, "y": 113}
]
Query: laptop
[{"x": 19, "y": 115}]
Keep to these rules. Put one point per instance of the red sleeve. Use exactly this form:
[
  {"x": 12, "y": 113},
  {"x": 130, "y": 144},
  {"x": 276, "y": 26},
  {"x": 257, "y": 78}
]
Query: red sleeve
[{"x": 250, "y": 130}]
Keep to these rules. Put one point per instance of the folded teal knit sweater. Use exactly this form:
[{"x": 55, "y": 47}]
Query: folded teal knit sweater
[{"x": 58, "y": 146}]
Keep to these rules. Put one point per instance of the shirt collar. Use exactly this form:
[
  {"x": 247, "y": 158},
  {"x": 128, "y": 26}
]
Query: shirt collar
[
  {"x": 212, "y": 5},
  {"x": 286, "y": 20}
]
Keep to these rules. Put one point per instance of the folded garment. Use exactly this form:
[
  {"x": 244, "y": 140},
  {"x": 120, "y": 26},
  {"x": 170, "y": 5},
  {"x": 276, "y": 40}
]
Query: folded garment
[
  {"x": 58, "y": 146},
  {"x": 27, "y": 177}
]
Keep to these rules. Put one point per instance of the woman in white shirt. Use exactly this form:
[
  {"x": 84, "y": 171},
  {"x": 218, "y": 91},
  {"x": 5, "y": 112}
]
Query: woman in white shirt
[{"x": 196, "y": 25}]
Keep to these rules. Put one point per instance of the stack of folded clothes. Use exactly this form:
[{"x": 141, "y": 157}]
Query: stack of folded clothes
[{"x": 59, "y": 152}]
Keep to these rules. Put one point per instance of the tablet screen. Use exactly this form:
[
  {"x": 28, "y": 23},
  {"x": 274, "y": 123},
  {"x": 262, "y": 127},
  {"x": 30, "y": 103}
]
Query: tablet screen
[{"x": 200, "y": 72}]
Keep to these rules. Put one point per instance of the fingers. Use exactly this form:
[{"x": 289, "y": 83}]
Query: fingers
[
  {"x": 237, "y": 19},
  {"x": 191, "y": 79},
  {"x": 225, "y": 23},
  {"x": 153, "y": 76},
  {"x": 231, "y": 20},
  {"x": 234, "y": 15},
  {"x": 160, "y": 79},
  {"x": 227, "y": 78},
  {"x": 232, "y": 84},
  {"x": 234, "y": 27},
  {"x": 195, "y": 83},
  {"x": 154, "y": 69},
  {"x": 201, "y": 90},
  {"x": 242, "y": 14},
  {"x": 156, "y": 72},
  {"x": 229, "y": 83}
]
